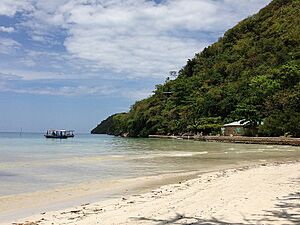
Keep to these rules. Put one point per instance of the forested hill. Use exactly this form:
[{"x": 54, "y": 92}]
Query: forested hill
[{"x": 252, "y": 73}]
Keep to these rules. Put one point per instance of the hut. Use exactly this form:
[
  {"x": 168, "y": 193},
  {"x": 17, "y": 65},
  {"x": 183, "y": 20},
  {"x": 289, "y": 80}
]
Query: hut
[{"x": 236, "y": 128}]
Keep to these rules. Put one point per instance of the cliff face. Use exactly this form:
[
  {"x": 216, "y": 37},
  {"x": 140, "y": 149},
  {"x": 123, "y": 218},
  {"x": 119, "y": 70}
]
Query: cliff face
[{"x": 252, "y": 73}]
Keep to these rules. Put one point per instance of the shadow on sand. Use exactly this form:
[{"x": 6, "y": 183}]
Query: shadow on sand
[{"x": 286, "y": 211}]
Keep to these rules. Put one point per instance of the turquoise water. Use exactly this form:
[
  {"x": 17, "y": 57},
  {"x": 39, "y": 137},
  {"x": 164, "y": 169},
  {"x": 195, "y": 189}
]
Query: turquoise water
[{"x": 30, "y": 162}]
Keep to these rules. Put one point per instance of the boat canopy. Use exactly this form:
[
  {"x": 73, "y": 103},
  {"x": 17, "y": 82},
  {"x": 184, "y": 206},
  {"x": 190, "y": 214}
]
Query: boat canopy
[{"x": 51, "y": 133}]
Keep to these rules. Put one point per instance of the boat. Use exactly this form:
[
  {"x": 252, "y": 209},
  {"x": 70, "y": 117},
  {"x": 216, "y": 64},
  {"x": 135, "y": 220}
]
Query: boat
[{"x": 60, "y": 134}]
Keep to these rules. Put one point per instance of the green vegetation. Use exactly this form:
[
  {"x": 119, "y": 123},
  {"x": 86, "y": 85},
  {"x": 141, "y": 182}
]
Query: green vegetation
[{"x": 252, "y": 73}]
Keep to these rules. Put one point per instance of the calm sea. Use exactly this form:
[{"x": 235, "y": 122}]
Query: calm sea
[{"x": 30, "y": 162}]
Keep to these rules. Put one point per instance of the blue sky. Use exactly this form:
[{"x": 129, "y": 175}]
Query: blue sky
[{"x": 71, "y": 63}]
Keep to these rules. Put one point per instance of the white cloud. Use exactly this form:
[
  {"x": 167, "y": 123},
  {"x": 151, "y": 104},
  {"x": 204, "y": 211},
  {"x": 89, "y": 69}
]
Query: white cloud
[
  {"x": 136, "y": 38},
  {"x": 8, "y": 76},
  {"x": 10, "y": 82},
  {"x": 7, "y": 29},
  {"x": 7, "y": 84},
  {"x": 8, "y": 46},
  {"x": 51, "y": 84},
  {"x": 70, "y": 91},
  {"x": 33, "y": 75},
  {"x": 127, "y": 38},
  {"x": 22, "y": 84},
  {"x": 136, "y": 95},
  {"x": 11, "y": 7},
  {"x": 136, "y": 55}
]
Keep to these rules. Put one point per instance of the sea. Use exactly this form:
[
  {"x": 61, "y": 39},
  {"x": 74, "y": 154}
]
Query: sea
[{"x": 29, "y": 162}]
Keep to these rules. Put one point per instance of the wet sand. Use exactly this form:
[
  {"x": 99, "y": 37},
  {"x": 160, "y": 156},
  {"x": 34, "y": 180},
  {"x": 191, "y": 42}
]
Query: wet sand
[
  {"x": 256, "y": 194},
  {"x": 13, "y": 207}
]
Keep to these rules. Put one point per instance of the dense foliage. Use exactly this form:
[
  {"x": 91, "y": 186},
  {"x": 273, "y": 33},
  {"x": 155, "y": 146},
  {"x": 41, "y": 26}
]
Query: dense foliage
[
  {"x": 107, "y": 126},
  {"x": 252, "y": 73}
]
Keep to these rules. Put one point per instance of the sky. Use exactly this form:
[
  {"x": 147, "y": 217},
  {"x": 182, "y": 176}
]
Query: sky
[{"x": 71, "y": 63}]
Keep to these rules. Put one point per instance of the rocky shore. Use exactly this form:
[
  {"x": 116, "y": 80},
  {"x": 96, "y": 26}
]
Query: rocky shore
[{"x": 236, "y": 139}]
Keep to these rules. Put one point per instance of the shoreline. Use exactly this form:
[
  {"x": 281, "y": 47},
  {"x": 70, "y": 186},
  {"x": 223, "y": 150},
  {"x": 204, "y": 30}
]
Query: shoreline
[
  {"x": 236, "y": 139},
  {"x": 254, "y": 189},
  {"x": 33, "y": 203}
]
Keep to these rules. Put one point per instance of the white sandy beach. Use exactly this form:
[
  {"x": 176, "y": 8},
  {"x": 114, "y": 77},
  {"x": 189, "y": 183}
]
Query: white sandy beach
[{"x": 262, "y": 194}]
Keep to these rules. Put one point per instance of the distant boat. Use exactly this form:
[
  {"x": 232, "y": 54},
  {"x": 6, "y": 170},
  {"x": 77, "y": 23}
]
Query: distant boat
[{"x": 60, "y": 134}]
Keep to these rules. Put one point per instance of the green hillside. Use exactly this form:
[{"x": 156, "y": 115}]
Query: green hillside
[{"x": 252, "y": 73}]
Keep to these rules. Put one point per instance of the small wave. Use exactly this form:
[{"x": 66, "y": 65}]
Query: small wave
[
  {"x": 117, "y": 156},
  {"x": 146, "y": 157},
  {"x": 188, "y": 154},
  {"x": 173, "y": 154},
  {"x": 202, "y": 153},
  {"x": 243, "y": 152},
  {"x": 182, "y": 155}
]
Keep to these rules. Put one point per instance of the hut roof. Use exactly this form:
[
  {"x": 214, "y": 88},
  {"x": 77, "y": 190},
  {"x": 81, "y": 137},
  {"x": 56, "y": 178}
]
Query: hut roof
[{"x": 239, "y": 123}]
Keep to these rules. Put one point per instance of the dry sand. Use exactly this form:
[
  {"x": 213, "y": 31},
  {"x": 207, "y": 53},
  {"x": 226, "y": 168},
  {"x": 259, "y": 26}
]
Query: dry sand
[{"x": 262, "y": 194}]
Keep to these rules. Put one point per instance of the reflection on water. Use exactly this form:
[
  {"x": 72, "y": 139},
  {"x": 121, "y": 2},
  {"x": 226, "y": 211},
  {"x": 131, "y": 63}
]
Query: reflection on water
[{"x": 31, "y": 163}]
